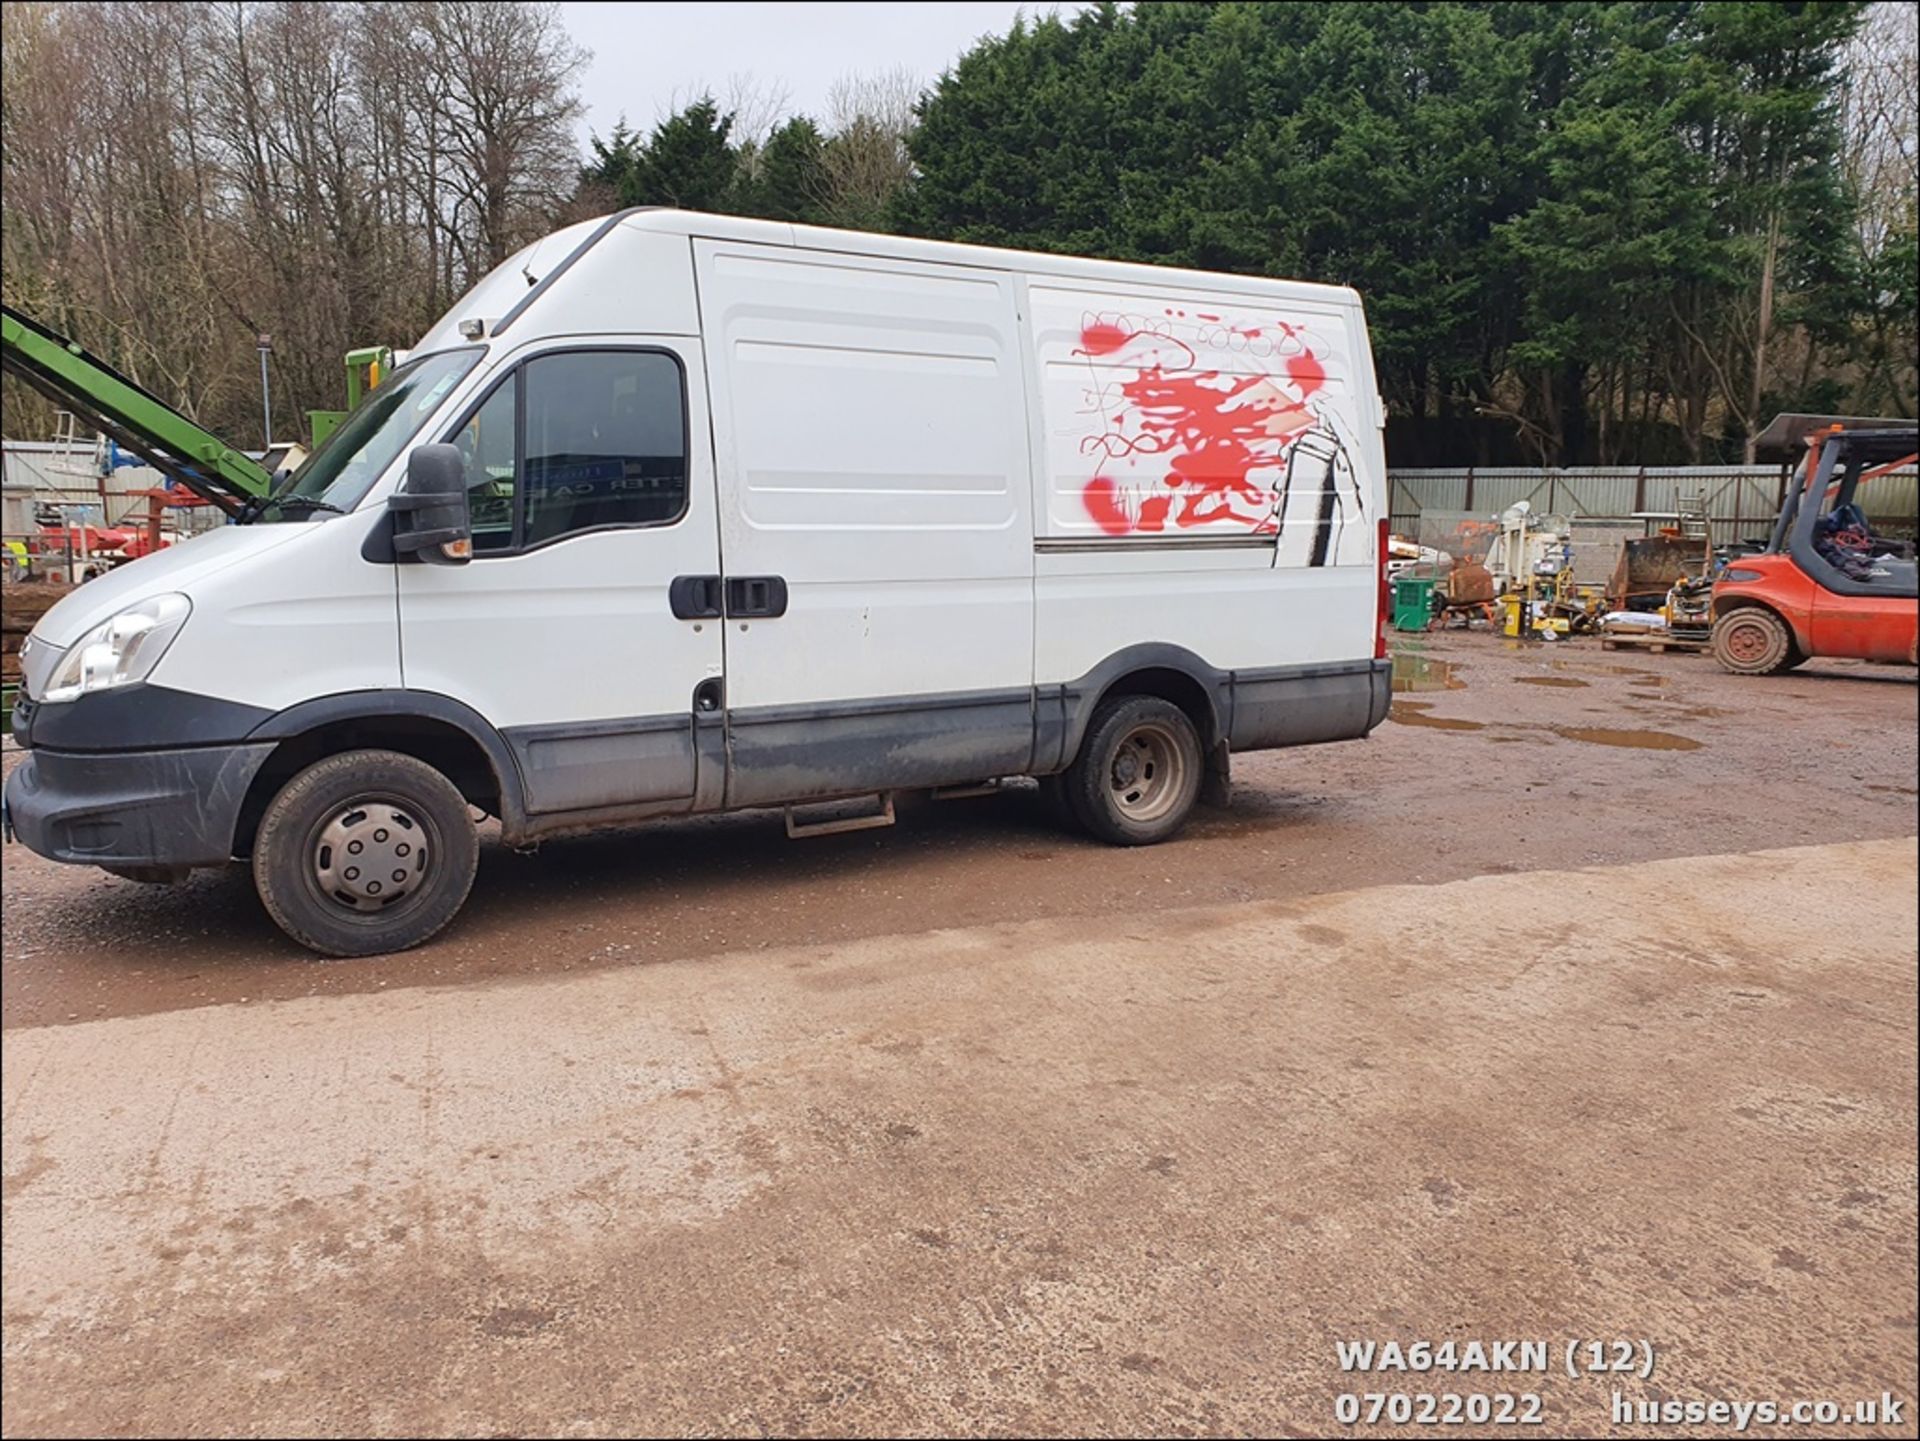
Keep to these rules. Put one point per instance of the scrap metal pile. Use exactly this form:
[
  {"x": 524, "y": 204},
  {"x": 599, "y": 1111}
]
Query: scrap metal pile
[{"x": 1527, "y": 586}]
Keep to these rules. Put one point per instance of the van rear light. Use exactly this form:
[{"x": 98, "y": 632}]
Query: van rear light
[{"x": 1384, "y": 599}]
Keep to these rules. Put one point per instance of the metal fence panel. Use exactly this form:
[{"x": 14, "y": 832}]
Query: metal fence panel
[
  {"x": 1494, "y": 492},
  {"x": 1595, "y": 493},
  {"x": 1740, "y": 500},
  {"x": 1429, "y": 490},
  {"x": 1893, "y": 502}
]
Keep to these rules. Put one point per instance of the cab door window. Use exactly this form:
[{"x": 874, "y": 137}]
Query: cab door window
[
  {"x": 576, "y": 441},
  {"x": 486, "y": 445},
  {"x": 605, "y": 442}
]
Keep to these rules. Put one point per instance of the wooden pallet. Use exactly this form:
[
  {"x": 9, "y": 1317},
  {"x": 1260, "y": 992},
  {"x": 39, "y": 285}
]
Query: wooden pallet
[{"x": 1654, "y": 641}]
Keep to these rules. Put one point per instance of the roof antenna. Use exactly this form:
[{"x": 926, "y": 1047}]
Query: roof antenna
[{"x": 526, "y": 267}]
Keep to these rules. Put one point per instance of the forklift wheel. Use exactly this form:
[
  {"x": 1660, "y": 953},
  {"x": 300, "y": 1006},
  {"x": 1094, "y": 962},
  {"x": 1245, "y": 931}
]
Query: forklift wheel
[{"x": 1752, "y": 640}]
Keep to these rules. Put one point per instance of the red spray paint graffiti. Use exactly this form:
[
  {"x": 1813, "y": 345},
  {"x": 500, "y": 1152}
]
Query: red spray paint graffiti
[
  {"x": 1101, "y": 338},
  {"x": 1305, "y": 371},
  {"x": 1213, "y": 429}
]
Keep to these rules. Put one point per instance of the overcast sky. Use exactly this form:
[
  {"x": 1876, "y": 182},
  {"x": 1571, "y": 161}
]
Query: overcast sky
[{"x": 648, "y": 59}]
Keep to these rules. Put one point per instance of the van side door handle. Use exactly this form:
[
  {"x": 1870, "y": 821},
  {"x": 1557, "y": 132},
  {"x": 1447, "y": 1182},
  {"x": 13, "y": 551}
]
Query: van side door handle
[
  {"x": 694, "y": 597},
  {"x": 756, "y": 597}
]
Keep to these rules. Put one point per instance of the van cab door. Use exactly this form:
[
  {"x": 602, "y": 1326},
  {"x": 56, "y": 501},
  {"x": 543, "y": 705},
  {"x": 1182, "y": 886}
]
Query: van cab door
[{"x": 591, "y": 486}]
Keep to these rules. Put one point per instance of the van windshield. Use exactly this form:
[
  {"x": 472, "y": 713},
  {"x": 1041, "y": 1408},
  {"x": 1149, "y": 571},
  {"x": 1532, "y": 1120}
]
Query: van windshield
[{"x": 338, "y": 475}]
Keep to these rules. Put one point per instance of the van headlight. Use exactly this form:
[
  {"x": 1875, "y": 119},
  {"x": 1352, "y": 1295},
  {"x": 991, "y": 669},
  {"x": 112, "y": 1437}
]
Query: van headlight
[{"x": 120, "y": 651}]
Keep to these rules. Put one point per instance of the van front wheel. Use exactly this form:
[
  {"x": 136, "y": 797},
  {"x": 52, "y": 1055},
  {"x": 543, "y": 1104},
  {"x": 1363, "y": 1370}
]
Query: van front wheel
[
  {"x": 364, "y": 853},
  {"x": 1138, "y": 772}
]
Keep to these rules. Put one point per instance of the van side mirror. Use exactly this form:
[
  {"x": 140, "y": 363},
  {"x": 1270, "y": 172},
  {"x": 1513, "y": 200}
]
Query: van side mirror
[{"x": 431, "y": 517}]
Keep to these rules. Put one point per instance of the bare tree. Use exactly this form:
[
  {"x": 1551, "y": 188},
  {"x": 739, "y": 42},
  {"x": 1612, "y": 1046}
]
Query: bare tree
[
  {"x": 182, "y": 176},
  {"x": 869, "y": 117},
  {"x": 757, "y": 107},
  {"x": 508, "y": 109},
  {"x": 1881, "y": 116},
  {"x": 754, "y": 108}
]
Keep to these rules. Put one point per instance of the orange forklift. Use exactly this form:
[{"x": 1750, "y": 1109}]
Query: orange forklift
[{"x": 1826, "y": 584}]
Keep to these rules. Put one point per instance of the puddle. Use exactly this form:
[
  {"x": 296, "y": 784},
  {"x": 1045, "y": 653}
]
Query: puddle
[
  {"x": 1640, "y": 675},
  {"x": 1673, "y": 707},
  {"x": 1418, "y": 672},
  {"x": 1413, "y": 713},
  {"x": 1635, "y": 740},
  {"x": 1560, "y": 680}
]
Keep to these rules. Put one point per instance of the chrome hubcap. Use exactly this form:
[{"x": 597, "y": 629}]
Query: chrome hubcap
[
  {"x": 1147, "y": 774},
  {"x": 370, "y": 856}
]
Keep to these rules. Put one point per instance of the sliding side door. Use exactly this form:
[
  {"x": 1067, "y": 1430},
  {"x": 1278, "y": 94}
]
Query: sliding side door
[{"x": 870, "y": 446}]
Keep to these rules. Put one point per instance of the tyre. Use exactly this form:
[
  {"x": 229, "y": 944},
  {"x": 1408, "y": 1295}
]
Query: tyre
[
  {"x": 1138, "y": 772},
  {"x": 1752, "y": 640},
  {"x": 365, "y": 853}
]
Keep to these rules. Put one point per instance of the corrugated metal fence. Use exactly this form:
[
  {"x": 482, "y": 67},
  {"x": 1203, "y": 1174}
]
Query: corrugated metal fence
[
  {"x": 33, "y": 474},
  {"x": 1740, "y": 500}
]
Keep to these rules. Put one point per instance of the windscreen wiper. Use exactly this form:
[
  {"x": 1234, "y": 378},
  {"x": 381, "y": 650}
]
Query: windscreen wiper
[{"x": 302, "y": 502}]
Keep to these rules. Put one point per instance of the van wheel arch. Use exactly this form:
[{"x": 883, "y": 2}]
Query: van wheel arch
[
  {"x": 1179, "y": 688},
  {"x": 1170, "y": 672},
  {"x": 461, "y": 747}
]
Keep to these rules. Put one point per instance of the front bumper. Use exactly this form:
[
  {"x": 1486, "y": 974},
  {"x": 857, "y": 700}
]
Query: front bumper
[{"x": 163, "y": 809}]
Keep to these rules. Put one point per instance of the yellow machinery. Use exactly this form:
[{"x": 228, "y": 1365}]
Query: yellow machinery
[
  {"x": 1549, "y": 605},
  {"x": 1689, "y": 608},
  {"x": 1531, "y": 562},
  {"x": 372, "y": 363}
]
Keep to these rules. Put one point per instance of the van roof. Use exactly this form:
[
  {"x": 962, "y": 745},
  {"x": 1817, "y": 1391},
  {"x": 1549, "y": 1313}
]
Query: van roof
[{"x": 938, "y": 252}]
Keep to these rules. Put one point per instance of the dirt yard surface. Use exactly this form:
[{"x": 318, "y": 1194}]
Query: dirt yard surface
[
  {"x": 1136, "y": 1173},
  {"x": 1500, "y": 759},
  {"x": 1517, "y": 1022}
]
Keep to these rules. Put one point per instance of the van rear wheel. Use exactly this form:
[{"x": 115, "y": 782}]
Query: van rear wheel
[
  {"x": 365, "y": 853},
  {"x": 1138, "y": 773}
]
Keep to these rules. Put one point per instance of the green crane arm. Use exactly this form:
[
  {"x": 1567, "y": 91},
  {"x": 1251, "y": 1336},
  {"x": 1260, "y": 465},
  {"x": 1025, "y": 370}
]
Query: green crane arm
[{"x": 146, "y": 425}]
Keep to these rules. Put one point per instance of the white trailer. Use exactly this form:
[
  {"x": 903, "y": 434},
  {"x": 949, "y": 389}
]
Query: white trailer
[{"x": 678, "y": 513}]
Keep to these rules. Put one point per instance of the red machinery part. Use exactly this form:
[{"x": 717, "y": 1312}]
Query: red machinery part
[{"x": 1383, "y": 604}]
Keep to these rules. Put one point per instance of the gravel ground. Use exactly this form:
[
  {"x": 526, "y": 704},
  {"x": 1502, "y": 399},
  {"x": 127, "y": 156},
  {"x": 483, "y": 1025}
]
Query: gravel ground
[
  {"x": 1517, "y": 758},
  {"x": 1514, "y": 1022},
  {"x": 1123, "y": 1174}
]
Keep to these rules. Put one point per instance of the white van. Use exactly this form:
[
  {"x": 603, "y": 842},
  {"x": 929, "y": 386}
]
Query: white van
[{"x": 678, "y": 513}]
